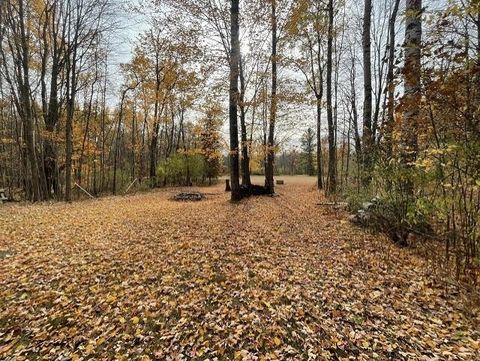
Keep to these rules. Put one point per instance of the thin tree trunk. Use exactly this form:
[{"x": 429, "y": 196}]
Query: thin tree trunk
[
  {"x": 269, "y": 185},
  {"x": 117, "y": 140},
  {"x": 71, "y": 60},
  {"x": 388, "y": 129},
  {"x": 155, "y": 130},
  {"x": 27, "y": 106},
  {"x": 87, "y": 130},
  {"x": 104, "y": 115},
  {"x": 134, "y": 144},
  {"x": 332, "y": 157},
  {"x": 245, "y": 164},
  {"x": 477, "y": 23},
  {"x": 347, "y": 170},
  {"x": 71, "y": 89},
  {"x": 233, "y": 100},
  {"x": 367, "y": 91},
  {"x": 412, "y": 96},
  {"x": 319, "y": 144}
]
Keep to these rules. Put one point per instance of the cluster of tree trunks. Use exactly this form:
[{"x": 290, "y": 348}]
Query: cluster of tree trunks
[
  {"x": 237, "y": 101},
  {"x": 66, "y": 37}
]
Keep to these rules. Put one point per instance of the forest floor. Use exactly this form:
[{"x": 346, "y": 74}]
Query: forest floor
[{"x": 145, "y": 277}]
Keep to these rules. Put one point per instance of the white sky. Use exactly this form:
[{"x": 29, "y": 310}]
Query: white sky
[{"x": 130, "y": 25}]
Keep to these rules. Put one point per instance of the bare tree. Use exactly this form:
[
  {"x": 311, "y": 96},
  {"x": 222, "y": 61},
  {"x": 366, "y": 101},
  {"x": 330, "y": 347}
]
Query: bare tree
[
  {"x": 311, "y": 63},
  {"x": 411, "y": 73},
  {"x": 16, "y": 18},
  {"x": 332, "y": 156},
  {"x": 269, "y": 168},
  {"x": 245, "y": 164},
  {"x": 388, "y": 127},
  {"x": 233, "y": 100},
  {"x": 367, "y": 88}
]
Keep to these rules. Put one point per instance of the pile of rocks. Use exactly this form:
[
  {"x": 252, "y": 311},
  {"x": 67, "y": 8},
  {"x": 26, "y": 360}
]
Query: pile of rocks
[
  {"x": 365, "y": 215},
  {"x": 387, "y": 218},
  {"x": 189, "y": 196}
]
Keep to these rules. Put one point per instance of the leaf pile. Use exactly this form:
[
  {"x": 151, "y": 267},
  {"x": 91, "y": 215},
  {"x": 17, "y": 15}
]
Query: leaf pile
[{"x": 147, "y": 278}]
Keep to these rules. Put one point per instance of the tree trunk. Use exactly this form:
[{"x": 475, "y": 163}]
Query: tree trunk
[
  {"x": 477, "y": 23},
  {"x": 245, "y": 157},
  {"x": 27, "y": 112},
  {"x": 117, "y": 140},
  {"x": 332, "y": 156},
  {"x": 367, "y": 91},
  {"x": 319, "y": 144},
  {"x": 156, "y": 126},
  {"x": 269, "y": 185},
  {"x": 87, "y": 129},
  {"x": 71, "y": 90},
  {"x": 51, "y": 107},
  {"x": 412, "y": 95},
  {"x": 68, "y": 151},
  {"x": 153, "y": 154},
  {"x": 388, "y": 129},
  {"x": 233, "y": 99},
  {"x": 103, "y": 132},
  {"x": 71, "y": 63},
  {"x": 134, "y": 144}
]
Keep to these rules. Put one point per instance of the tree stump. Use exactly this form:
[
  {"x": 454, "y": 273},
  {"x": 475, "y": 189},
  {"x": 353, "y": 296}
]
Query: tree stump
[
  {"x": 280, "y": 182},
  {"x": 227, "y": 185}
]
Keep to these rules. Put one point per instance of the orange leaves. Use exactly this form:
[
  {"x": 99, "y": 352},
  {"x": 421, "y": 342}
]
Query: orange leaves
[{"x": 146, "y": 278}]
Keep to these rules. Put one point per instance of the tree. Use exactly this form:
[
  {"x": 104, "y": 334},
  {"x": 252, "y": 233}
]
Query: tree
[
  {"x": 388, "y": 128},
  {"x": 269, "y": 167},
  {"x": 412, "y": 94},
  {"x": 17, "y": 31},
  {"x": 84, "y": 24},
  {"x": 367, "y": 90},
  {"x": 308, "y": 148},
  {"x": 233, "y": 100},
  {"x": 245, "y": 163},
  {"x": 307, "y": 28},
  {"x": 213, "y": 17},
  {"x": 332, "y": 156},
  {"x": 211, "y": 141},
  {"x": 117, "y": 133}
]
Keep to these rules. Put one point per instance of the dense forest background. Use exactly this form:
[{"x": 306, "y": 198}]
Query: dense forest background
[{"x": 376, "y": 98}]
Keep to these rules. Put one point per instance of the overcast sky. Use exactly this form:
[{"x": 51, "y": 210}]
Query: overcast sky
[{"x": 129, "y": 26}]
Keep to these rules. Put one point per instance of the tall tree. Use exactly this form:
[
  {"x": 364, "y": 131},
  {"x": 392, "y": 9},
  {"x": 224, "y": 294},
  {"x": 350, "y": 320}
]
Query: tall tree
[
  {"x": 308, "y": 148},
  {"x": 269, "y": 168},
  {"x": 332, "y": 155},
  {"x": 412, "y": 95},
  {"x": 245, "y": 164},
  {"x": 84, "y": 26},
  {"x": 367, "y": 88},
  {"x": 388, "y": 128},
  {"x": 233, "y": 99},
  {"x": 210, "y": 139},
  {"x": 117, "y": 134},
  {"x": 18, "y": 30},
  {"x": 307, "y": 27},
  {"x": 53, "y": 46}
]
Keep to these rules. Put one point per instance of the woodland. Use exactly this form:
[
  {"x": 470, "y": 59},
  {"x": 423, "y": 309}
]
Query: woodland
[{"x": 348, "y": 133}]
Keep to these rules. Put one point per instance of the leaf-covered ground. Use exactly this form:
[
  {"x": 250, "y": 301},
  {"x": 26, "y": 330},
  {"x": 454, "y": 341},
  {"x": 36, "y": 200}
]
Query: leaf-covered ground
[{"x": 144, "y": 277}]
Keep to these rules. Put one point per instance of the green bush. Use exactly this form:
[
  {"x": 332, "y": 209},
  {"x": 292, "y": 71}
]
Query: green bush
[
  {"x": 181, "y": 169},
  {"x": 394, "y": 209}
]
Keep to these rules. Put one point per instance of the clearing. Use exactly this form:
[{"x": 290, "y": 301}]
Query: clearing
[{"x": 144, "y": 277}]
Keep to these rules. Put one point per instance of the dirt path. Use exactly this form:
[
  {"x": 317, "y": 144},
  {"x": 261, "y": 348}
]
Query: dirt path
[{"x": 144, "y": 277}]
